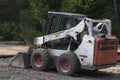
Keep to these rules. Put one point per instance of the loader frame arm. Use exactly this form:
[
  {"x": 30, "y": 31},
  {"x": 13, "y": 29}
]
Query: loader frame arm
[{"x": 74, "y": 31}]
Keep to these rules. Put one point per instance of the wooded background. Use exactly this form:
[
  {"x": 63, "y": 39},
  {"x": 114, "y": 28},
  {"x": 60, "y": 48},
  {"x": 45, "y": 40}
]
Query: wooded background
[{"x": 23, "y": 19}]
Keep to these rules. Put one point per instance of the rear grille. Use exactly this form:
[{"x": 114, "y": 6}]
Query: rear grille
[{"x": 107, "y": 45}]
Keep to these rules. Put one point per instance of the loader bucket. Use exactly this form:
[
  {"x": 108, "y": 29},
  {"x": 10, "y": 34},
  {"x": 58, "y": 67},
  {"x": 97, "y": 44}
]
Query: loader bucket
[{"x": 21, "y": 60}]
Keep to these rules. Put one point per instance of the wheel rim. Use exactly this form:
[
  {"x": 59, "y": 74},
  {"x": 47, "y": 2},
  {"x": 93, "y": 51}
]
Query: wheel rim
[
  {"x": 65, "y": 65},
  {"x": 38, "y": 61}
]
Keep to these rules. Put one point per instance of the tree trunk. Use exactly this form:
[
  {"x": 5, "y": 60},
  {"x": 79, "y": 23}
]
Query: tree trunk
[{"x": 117, "y": 12}]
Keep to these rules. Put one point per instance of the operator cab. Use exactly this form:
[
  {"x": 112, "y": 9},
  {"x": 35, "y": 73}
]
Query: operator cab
[{"x": 59, "y": 21}]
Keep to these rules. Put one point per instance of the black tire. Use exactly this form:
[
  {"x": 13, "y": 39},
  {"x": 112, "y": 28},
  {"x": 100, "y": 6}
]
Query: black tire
[
  {"x": 67, "y": 64},
  {"x": 40, "y": 60}
]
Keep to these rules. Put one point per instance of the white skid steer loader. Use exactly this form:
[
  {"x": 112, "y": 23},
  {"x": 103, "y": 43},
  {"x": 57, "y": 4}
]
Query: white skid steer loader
[{"x": 71, "y": 42}]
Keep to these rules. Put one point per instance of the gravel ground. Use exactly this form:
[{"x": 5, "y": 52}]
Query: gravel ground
[{"x": 12, "y": 73}]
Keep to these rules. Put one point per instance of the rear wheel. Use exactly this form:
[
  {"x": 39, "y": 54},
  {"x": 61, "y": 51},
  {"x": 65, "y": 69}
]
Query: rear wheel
[
  {"x": 40, "y": 60},
  {"x": 67, "y": 64}
]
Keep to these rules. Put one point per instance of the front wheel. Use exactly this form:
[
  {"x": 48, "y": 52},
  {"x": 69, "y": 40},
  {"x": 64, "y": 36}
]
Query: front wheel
[
  {"x": 67, "y": 64},
  {"x": 40, "y": 60}
]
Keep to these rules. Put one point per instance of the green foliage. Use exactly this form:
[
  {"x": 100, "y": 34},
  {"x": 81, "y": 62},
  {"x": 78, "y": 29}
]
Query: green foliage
[
  {"x": 34, "y": 16},
  {"x": 116, "y": 30},
  {"x": 76, "y": 6},
  {"x": 28, "y": 34},
  {"x": 9, "y": 31},
  {"x": 54, "y": 5},
  {"x": 92, "y": 8},
  {"x": 23, "y": 19},
  {"x": 31, "y": 19},
  {"x": 9, "y": 9}
]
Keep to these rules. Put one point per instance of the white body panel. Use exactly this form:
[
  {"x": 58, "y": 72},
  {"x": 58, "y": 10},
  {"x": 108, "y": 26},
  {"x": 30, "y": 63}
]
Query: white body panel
[
  {"x": 86, "y": 48},
  {"x": 38, "y": 41},
  {"x": 55, "y": 36},
  {"x": 85, "y": 51},
  {"x": 56, "y": 52}
]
